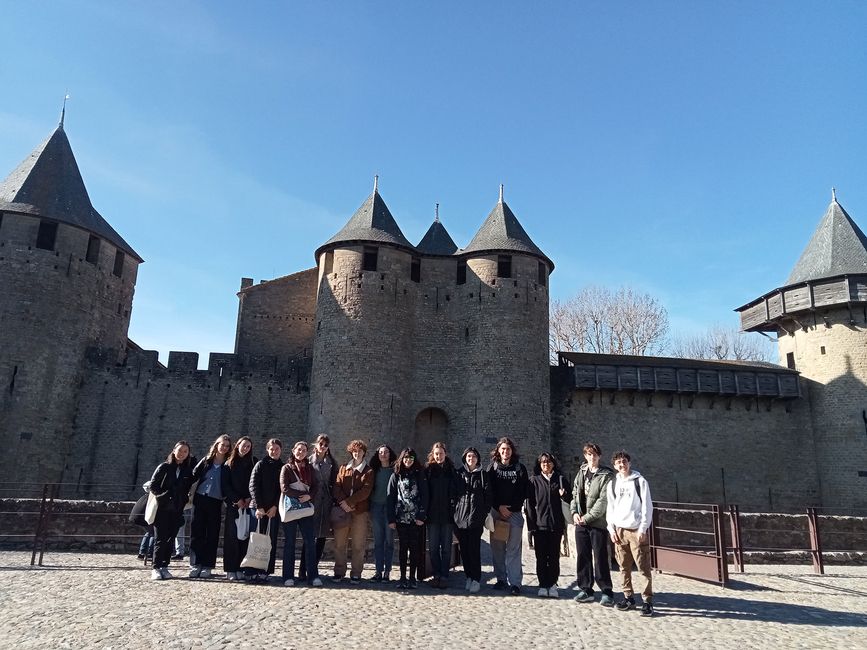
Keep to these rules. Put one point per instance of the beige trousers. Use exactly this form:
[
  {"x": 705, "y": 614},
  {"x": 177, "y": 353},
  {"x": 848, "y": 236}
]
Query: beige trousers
[
  {"x": 627, "y": 551},
  {"x": 358, "y": 531}
]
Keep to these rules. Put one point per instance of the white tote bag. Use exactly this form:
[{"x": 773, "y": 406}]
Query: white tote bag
[
  {"x": 150, "y": 514},
  {"x": 259, "y": 550},
  {"x": 242, "y": 523}
]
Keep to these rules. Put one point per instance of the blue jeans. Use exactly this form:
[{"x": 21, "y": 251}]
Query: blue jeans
[
  {"x": 308, "y": 535},
  {"x": 383, "y": 538},
  {"x": 506, "y": 555},
  {"x": 439, "y": 541}
]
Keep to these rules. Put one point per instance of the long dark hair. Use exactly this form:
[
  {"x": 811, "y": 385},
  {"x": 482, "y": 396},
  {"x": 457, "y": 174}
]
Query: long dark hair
[
  {"x": 505, "y": 440},
  {"x": 235, "y": 455},
  {"x": 376, "y": 464},
  {"x": 171, "y": 457},
  {"x": 212, "y": 452},
  {"x": 415, "y": 467},
  {"x": 537, "y": 469},
  {"x": 323, "y": 437}
]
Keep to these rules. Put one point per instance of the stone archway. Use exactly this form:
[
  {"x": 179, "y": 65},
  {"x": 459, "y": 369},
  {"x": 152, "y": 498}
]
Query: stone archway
[{"x": 431, "y": 425}]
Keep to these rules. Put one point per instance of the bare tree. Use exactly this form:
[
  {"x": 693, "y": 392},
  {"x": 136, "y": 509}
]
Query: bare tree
[
  {"x": 610, "y": 322},
  {"x": 720, "y": 342}
]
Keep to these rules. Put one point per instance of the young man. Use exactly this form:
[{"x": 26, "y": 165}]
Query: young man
[
  {"x": 628, "y": 514},
  {"x": 509, "y": 480},
  {"x": 589, "y": 504}
]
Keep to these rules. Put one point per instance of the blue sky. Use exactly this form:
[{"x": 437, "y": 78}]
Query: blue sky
[{"x": 683, "y": 148}]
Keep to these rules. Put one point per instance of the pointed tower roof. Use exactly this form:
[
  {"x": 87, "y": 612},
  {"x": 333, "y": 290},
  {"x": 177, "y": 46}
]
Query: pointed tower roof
[
  {"x": 48, "y": 184},
  {"x": 838, "y": 247},
  {"x": 372, "y": 222},
  {"x": 502, "y": 231},
  {"x": 436, "y": 240}
]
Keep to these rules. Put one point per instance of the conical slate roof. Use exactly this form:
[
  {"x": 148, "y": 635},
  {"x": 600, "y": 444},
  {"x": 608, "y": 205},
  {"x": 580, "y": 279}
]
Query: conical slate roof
[
  {"x": 501, "y": 231},
  {"x": 437, "y": 241},
  {"x": 372, "y": 222},
  {"x": 838, "y": 247},
  {"x": 48, "y": 184}
]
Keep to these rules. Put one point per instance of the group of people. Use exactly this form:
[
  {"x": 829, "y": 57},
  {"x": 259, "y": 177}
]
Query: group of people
[{"x": 432, "y": 499}]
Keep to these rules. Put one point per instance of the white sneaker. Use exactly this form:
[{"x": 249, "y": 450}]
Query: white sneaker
[
  {"x": 166, "y": 574},
  {"x": 474, "y": 588},
  {"x": 156, "y": 574},
  {"x": 543, "y": 593},
  {"x": 205, "y": 573},
  {"x": 289, "y": 583},
  {"x": 317, "y": 582},
  {"x": 195, "y": 571},
  {"x": 469, "y": 584},
  {"x": 553, "y": 593}
]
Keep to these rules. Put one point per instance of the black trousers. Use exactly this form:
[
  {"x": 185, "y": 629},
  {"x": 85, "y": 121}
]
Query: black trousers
[
  {"x": 470, "y": 543},
  {"x": 166, "y": 525},
  {"x": 410, "y": 537},
  {"x": 234, "y": 549},
  {"x": 205, "y": 531},
  {"x": 591, "y": 547},
  {"x": 546, "y": 544},
  {"x": 320, "y": 548}
]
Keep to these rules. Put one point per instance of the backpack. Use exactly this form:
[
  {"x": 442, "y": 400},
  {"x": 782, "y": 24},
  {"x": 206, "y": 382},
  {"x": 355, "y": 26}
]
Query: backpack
[{"x": 614, "y": 487}]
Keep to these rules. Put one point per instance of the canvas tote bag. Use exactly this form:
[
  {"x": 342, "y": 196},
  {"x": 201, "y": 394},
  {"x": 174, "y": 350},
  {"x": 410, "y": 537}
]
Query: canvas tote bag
[{"x": 259, "y": 550}]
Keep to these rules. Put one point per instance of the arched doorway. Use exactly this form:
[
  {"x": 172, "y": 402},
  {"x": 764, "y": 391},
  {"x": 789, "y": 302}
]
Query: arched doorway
[{"x": 431, "y": 425}]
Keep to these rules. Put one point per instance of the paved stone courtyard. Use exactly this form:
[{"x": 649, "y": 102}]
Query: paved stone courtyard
[{"x": 80, "y": 600}]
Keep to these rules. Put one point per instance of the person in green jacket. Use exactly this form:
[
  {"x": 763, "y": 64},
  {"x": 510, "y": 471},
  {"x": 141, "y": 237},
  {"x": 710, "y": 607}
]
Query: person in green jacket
[{"x": 589, "y": 501}]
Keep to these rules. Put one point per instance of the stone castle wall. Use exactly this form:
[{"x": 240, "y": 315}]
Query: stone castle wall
[
  {"x": 129, "y": 417},
  {"x": 276, "y": 317},
  {"x": 691, "y": 449},
  {"x": 833, "y": 357},
  {"x": 53, "y": 305}
]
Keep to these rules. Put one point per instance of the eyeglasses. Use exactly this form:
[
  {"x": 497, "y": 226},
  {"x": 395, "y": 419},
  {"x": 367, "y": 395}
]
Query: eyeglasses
[{"x": 409, "y": 457}]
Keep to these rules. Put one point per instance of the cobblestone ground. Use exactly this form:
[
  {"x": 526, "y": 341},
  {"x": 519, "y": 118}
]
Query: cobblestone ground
[{"x": 80, "y": 600}]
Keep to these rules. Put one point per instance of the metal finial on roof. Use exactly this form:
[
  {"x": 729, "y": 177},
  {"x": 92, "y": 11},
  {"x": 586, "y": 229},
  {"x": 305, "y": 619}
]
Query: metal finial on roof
[
  {"x": 63, "y": 110},
  {"x": 437, "y": 213},
  {"x": 501, "y": 192},
  {"x": 376, "y": 182},
  {"x": 834, "y": 194}
]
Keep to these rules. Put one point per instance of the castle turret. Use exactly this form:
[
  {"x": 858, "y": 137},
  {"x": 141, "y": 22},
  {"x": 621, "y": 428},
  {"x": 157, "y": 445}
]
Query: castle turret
[
  {"x": 362, "y": 359},
  {"x": 67, "y": 281},
  {"x": 820, "y": 318},
  {"x": 505, "y": 305}
]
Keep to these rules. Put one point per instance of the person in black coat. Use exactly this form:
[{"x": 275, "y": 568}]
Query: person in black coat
[
  {"x": 236, "y": 492},
  {"x": 442, "y": 491},
  {"x": 548, "y": 490},
  {"x": 472, "y": 507},
  {"x": 208, "y": 508},
  {"x": 264, "y": 497},
  {"x": 170, "y": 484}
]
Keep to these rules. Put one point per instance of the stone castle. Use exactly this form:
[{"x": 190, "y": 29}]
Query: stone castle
[{"x": 408, "y": 344}]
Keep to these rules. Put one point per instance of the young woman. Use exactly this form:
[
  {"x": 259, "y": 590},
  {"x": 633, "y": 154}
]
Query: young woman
[
  {"x": 407, "y": 500},
  {"x": 208, "y": 508},
  {"x": 508, "y": 479},
  {"x": 325, "y": 468},
  {"x": 442, "y": 489},
  {"x": 548, "y": 490},
  {"x": 297, "y": 479},
  {"x": 264, "y": 497},
  {"x": 472, "y": 507},
  {"x": 170, "y": 484},
  {"x": 236, "y": 492},
  {"x": 352, "y": 494},
  {"x": 383, "y": 536}
]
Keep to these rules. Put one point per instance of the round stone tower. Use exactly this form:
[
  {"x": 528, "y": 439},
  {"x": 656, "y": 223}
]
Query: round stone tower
[
  {"x": 362, "y": 351},
  {"x": 820, "y": 319},
  {"x": 67, "y": 281},
  {"x": 504, "y": 301}
]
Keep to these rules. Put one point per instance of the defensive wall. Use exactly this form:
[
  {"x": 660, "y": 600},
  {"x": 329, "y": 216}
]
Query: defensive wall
[
  {"x": 128, "y": 416},
  {"x": 701, "y": 432}
]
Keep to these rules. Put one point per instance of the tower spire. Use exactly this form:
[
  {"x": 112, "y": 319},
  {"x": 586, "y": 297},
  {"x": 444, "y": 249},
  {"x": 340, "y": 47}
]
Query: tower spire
[
  {"x": 375, "y": 183},
  {"x": 437, "y": 213},
  {"x": 501, "y": 193},
  {"x": 834, "y": 194},
  {"x": 63, "y": 109}
]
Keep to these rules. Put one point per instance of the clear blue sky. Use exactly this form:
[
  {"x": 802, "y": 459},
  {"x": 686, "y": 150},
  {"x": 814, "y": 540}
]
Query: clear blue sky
[{"x": 684, "y": 148}]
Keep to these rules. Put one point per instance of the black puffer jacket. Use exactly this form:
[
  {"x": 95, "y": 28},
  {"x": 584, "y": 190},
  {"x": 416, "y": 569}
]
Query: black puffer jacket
[
  {"x": 235, "y": 480},
  {"x": 544, "y": 509},
  {"x": 265, "y": 483},
  {"x": 442, "y": 488},
  {"x": 474, "y": 498},
  {"x": 170, "y": 484}
]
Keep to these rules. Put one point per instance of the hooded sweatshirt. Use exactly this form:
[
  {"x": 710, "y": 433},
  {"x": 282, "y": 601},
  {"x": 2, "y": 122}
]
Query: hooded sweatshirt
[
  {"x": 629, "y": 504},
  {"x": 474, "y": 497},
  {"x": 509, "y": 484}
]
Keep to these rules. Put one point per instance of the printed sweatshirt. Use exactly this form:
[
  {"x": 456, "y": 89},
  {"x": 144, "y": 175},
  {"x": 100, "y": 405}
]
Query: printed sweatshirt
[{"x": 629, "y": 504}]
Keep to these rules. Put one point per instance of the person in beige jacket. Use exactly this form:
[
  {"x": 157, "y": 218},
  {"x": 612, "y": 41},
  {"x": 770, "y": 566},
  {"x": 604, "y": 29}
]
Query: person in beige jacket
[{"x": 352, "y": 494}]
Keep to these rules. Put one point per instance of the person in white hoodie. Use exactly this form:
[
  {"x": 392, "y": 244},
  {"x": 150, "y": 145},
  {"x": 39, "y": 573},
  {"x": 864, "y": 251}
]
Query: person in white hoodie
[{"x": 628, "y": 514}]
